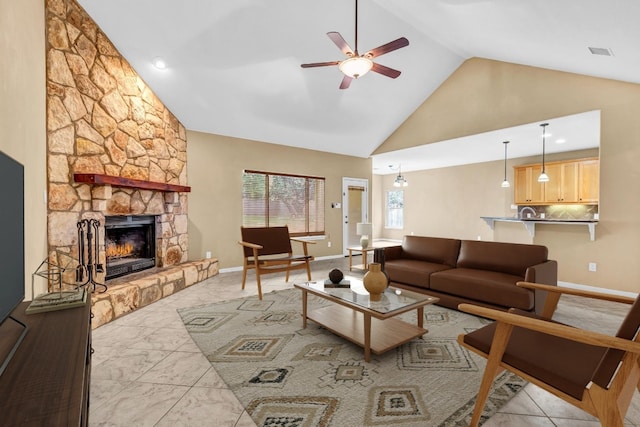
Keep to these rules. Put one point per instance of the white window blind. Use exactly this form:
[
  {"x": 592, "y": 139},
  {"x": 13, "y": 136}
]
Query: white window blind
[{"x": 272, "y": 199}]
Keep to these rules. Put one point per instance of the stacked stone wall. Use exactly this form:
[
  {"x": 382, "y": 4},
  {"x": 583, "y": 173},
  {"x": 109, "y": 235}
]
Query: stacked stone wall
[{"x": 102, "y": 118}]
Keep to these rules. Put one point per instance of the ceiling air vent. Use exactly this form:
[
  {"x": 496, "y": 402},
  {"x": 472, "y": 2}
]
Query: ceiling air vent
[{"x": 601, "y": 51}]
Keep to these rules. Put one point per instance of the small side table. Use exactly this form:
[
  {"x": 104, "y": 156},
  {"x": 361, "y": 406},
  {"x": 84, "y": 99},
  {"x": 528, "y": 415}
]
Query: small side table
[{"x": 363, "y": 251}]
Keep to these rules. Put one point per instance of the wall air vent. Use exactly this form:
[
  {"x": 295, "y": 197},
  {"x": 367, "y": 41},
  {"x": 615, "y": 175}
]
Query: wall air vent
[{"x": 601, "y": 51}]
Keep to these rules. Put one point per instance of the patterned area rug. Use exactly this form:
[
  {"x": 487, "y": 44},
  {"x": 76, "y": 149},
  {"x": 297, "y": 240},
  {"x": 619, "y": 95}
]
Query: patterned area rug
[{"x": 286, "y": 376}]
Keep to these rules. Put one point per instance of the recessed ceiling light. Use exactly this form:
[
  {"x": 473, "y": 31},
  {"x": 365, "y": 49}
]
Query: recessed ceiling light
[
  {"x": 601, "y": 51},
  {"x": 560, "y": 141},
  {"x": 159, "y": 63}
]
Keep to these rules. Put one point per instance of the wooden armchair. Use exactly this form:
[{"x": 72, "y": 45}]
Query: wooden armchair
[
  {"x": 268, "y": 250},
  {"x": 595, "y": 372}
]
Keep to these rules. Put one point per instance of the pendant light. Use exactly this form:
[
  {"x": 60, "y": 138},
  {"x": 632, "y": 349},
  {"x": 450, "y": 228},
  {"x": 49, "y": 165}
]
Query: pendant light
[
  {"x": 505, "y": 183},
  {"x": 400, "y": 181},
  {"x": 543, "y": 176}
]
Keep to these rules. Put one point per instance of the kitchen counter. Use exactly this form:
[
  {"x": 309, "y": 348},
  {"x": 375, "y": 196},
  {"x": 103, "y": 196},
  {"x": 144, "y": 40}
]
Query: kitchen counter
[{"x": 530, "y": 223}]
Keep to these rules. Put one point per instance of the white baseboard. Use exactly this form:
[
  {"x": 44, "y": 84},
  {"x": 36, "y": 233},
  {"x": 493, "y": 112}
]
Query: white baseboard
[
  {"x": 230, "y": 269},
  {"x": 596, "y": 289}
]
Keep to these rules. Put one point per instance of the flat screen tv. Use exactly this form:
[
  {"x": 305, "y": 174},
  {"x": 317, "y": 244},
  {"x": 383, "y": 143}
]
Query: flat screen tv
[{"x": 11, "y": 243}]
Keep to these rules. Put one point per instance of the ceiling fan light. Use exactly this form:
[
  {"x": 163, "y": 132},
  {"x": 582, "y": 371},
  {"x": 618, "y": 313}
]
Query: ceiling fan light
[{"x": 356, "y": 67}]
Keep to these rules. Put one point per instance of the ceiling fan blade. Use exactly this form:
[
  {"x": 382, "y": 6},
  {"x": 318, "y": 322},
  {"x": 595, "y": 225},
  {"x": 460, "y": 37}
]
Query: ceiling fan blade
[
  {"x": 385, "y": 71},
  {"x": 340, "y": 42},
  {"x": 346, "y": 81},
  {"x": 386, "y": 48},
  {"x": 320, "y": 64}
]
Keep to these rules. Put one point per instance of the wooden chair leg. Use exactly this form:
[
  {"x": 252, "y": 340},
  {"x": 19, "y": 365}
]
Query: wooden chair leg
[
  {"x": 638, "y": 385},
  {"x": 499, "y": 344},
  {"x": 308, "y": 271},
  {"x": 259, "y": 285},
  {"x": 244, "y": 273},
  {"x": 286, "y": 279},
  {"x": 608, "y": 412}
]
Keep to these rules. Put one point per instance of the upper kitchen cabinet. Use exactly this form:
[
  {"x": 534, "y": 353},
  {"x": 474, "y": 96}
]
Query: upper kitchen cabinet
[
  {"x": 563, "y": 183},
  {"x": 588, "y": 181},
  {"x": 570, "y": 182},
  {"x": 527, "y": 190}
]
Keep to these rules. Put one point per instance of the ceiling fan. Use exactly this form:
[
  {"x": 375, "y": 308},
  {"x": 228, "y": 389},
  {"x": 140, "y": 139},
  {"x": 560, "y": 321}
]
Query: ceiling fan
[{"x": 357, "y": 65}]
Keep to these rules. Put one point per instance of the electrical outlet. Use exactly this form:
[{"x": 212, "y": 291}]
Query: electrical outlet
[
  {"x": 592, "y": 266},
  {"x": 329, "y": 243}
]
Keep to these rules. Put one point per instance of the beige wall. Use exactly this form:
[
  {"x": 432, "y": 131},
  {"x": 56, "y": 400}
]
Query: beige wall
[
  {"x": 484, "y": 95},
  {"x": 22, "y": 115},
  {"x": 215, "y": 203}
]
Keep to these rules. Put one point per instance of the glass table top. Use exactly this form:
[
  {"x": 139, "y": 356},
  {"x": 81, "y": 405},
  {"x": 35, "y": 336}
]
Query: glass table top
[{"x": 392, "y": 299}]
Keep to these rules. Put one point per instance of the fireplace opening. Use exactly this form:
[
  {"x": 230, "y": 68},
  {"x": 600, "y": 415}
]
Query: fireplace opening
[{"x": 130, "y": 244}]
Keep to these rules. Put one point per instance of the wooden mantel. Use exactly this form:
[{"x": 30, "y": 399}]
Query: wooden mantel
[{"x": 116, "y": 181}]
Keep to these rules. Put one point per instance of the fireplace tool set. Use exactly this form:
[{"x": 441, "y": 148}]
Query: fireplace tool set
[{"x": 89, "y": 267}]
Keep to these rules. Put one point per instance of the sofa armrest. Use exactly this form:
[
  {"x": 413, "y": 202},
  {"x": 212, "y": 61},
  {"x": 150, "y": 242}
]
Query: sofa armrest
[
  {"x": 381, "y": 255},
  {"x": 392, "y": 252},
  {"x": 545, "y": 273}
]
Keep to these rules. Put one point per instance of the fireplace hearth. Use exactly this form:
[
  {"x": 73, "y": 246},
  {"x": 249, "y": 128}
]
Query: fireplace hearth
[{"x": 130, "y": 244}]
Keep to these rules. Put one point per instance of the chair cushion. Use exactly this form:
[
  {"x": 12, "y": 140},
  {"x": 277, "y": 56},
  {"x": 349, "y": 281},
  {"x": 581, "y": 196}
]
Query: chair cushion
[
  {"x": 491, "y": 287},
  {"x": 564, "y": 364},
  {"x": 412, "y": 272}
]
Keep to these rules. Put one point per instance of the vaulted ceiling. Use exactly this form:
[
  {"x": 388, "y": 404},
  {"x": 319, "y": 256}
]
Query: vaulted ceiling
[{"x": 233, "y": 66}]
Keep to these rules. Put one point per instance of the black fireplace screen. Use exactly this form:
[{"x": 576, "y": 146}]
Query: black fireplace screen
[{"x": 129, "y": 244}]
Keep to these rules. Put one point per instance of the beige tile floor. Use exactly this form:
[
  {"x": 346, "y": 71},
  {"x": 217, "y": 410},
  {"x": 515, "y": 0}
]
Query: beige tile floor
[{"x": 148, "y": 372}]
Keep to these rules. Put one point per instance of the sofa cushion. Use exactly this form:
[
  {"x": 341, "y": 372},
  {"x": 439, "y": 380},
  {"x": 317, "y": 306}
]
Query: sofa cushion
[
  {"x": 509, "y": 258},
  {"x": 411, "y": 271},
  {"x": 431, "y": 249},
  {"x": 491, "y": 287}
]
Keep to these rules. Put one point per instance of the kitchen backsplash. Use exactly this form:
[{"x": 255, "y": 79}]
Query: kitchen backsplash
[{"x": 568, "y": 212}]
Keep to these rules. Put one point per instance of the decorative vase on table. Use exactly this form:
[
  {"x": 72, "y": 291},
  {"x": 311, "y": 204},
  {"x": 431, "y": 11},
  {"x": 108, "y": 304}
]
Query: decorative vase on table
[{"x": 375, "y": 281}]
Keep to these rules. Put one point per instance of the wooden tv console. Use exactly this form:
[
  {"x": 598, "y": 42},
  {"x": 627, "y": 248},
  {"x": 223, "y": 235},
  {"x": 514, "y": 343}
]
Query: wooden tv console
[{"x": 46, "y": 383}]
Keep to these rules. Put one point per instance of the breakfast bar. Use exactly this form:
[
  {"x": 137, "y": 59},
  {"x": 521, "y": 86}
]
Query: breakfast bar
[{"x": 530, "y": 223}]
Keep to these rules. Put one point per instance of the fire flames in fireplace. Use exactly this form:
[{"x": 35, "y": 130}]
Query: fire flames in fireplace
[
  {"x": 129, "y": 244},
  {"x": 115, "y": 250}
]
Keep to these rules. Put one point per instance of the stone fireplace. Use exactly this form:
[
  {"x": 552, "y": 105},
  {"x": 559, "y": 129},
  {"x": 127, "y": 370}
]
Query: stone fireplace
[{"x": 113, "y": 150}]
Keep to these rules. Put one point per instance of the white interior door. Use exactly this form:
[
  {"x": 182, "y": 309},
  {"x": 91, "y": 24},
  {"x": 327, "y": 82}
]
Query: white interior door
[{"x": 355, "y": 209}]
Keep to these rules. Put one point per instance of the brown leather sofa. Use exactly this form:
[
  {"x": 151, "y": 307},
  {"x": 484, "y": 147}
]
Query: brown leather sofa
[{"x": 470, "y": 271}]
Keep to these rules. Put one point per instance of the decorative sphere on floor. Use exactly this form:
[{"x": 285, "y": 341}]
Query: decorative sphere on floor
[{"x": 336, "y": 276}]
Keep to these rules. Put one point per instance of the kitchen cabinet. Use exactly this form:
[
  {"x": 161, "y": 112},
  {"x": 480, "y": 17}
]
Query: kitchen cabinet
[
  {"x": 570, "y": 182},
  {"x": 527, "y": 189},
  {"x": 589, "y": 181},
  {"x": 563, "y": 183}
]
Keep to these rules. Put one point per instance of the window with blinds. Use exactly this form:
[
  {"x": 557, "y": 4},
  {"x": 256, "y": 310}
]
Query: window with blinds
[
  {"x": 271, "y": 199},
  {"x": 395, "y": 209}
]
